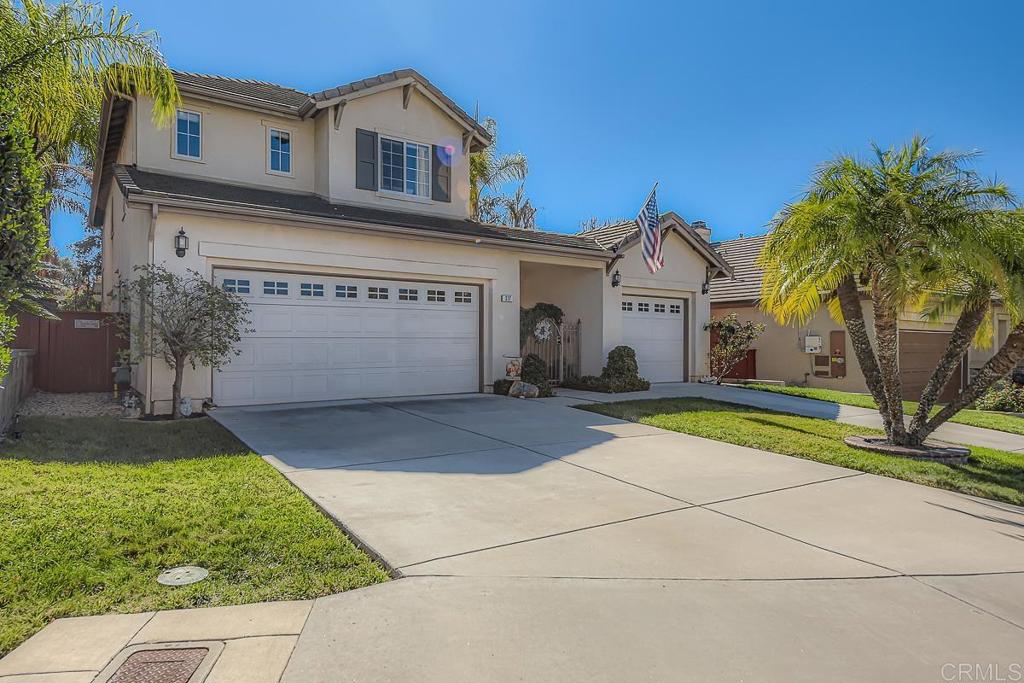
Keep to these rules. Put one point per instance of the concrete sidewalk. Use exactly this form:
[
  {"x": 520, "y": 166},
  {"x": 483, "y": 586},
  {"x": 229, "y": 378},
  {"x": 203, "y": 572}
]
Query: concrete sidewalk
[{"x": 866, "y": 417}]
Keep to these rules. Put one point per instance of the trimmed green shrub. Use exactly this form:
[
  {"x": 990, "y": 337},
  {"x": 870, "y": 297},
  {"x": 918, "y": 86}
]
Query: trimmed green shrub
[
  {"x": 622, "y": 374},
  {"x": 535, "y": 372},
  {"x": 501, "y": 386},
  {"x": 1005, "y": 396}
]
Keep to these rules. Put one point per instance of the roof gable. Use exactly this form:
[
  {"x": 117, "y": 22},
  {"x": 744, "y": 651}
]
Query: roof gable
[
  {"x": 625, "y": 235},
  {"x": 407, "y": 79}
]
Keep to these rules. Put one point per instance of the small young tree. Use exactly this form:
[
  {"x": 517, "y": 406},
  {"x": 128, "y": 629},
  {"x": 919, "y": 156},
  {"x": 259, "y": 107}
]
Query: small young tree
[
  {"x": 181, "y": 319},
  {"x": 734, "y": 339}
]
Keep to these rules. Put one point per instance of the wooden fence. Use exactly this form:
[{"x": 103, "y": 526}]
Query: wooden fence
[
  {"x": 74, "y": 353},
  {"x": 16, "y": 386}
]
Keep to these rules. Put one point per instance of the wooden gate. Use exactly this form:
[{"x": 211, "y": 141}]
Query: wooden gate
[
  {"x": 558, "y": 346},
  {"x": 74, "y": 353}
]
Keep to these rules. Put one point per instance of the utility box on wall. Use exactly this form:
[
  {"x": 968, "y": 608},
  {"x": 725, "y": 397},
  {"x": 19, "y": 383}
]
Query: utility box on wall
[{"x": 812, "y": 343}]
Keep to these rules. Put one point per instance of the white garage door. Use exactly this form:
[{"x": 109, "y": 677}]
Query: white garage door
[
  {"x": 655, "y": 330},
  {"x": 322, "y": 338}
]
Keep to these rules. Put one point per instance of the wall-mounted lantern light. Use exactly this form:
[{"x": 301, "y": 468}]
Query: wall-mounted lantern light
[
  {"x": 705, "y": 287},
  {"x": 616, "y": 279},
  {"x": 181, "y": 243}
]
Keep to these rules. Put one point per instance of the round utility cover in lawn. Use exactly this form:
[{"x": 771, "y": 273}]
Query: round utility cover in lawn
[{"x": 182, "y": 576}]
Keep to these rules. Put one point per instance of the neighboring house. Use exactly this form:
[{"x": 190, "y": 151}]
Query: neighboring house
[
  {"x": 781, "y": 352},
  {"x": 343, "y": 218}
]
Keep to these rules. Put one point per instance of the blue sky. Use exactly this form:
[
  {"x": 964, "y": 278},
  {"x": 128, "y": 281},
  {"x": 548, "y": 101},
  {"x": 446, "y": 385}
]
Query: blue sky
[{"x": 728, "y": 105}]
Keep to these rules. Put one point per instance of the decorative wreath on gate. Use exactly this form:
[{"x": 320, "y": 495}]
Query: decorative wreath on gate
[
  {"x": 544, "y": 329},
  {"x": 530, "y": 318}
]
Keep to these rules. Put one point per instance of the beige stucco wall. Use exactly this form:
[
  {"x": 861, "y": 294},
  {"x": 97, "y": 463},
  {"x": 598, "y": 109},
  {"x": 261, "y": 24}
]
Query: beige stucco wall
[
  {"x": 238, "y": 243},
  {"x": 780, "y": 353},
  {"x": 681, "y": 277},
  {"x": 234, "y": 146},
  {"x": 422, "y": 122},
  {"x": 583, "y": 294}
]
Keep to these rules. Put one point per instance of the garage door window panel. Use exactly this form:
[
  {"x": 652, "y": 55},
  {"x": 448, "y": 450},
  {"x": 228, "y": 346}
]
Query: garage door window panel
[
  {"x": 236, "y": 286},
  {"x": 311, "y": 289},
  {"x": 346, "y": 291},
  {"x": 275, "y": 288},
  {"x": 377, "y": 293},
  {"x": 436, "y": 296}
]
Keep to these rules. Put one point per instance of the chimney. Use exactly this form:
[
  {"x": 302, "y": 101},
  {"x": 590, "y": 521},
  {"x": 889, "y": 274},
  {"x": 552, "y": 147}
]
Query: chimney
[{"x": 702, "y": 229}]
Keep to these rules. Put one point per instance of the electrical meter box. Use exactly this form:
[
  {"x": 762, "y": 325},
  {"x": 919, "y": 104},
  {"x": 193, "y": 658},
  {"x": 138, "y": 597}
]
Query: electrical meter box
[{"x": 812, "y": 343}]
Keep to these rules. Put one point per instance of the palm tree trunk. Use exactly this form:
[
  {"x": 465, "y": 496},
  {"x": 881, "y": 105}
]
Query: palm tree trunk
[
  {"x": 887, "y": 334},
  {"x": 997, "y": 367},
  {"x": 963, "y": 333},
  {"x": 853, "y": 316}
]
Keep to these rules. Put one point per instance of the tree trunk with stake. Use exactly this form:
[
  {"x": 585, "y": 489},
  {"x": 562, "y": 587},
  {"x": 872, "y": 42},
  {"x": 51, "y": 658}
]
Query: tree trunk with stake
[{"x": 179, "y": 371}]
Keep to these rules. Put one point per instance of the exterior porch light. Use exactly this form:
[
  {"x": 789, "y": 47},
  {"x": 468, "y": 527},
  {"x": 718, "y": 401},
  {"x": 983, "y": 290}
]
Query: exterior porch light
[
  {"x": 705, "y": 286},
  {"x": 181, "y": 243},
  {"x": 616, "y": 279}
]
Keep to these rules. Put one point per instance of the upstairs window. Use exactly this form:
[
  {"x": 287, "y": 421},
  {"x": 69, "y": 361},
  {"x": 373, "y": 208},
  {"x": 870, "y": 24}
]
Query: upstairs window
[
  {"x": 188, "y": 135},
  {"x": 280, "y": 151},
  {"x": 405, "y": 167}
]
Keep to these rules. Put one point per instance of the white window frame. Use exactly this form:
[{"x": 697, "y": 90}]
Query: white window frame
[
  {"x": 290, "y": 173},
  {"x": 342, "y": 291},
  {"x": 462, "y": 296},
  {"x": 403, "y": 194},
  {"x": 437, "y": 296},
  {"x": 174, "y": 137}
]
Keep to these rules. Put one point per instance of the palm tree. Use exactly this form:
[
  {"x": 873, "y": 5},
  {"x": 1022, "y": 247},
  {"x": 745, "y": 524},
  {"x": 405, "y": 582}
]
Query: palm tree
[
  {"x": 489, "y": 170},
  {"x": 908, "y": 224},
  {"x": 60, "y": 62}
]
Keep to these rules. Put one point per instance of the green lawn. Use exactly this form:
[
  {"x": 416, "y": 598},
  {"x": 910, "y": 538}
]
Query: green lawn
[
  {"x": 92, "y": 509},
  {"x": 976, "y": 418},
  {"x": 998, "y": 475}
]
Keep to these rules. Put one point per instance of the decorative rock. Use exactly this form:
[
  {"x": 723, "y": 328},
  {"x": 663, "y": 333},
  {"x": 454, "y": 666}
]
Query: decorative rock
[
  {"x": 522, "y": 389},
  {"x": 933, "y": 451},
  {"x": 100, "y": 404}
]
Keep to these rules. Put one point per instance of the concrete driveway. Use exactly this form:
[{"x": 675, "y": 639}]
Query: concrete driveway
[{"x": 543, "y": 543}]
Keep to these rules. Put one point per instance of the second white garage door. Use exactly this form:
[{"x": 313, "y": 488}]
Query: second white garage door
[
  {"x": 325, "y": 338},
  {"x": 655, "y": 329}
]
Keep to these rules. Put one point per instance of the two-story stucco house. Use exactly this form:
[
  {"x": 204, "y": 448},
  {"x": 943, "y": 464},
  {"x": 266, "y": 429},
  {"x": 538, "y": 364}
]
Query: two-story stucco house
[{"x": 343, "y": 217}]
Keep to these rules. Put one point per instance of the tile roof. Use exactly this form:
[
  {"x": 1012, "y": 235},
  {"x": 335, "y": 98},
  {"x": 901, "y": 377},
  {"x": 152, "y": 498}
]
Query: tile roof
[
  {"x": 253, "y": 92},
  {"x": 262, "y": 93},
  {"x": 159, "y": 185},
  {"x": 609, "y": 236},
  {"x": 742, "y": 255}
]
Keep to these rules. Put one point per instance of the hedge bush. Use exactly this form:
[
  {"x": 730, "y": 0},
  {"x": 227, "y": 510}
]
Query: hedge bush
[
  {"x": 535, "y": 372},
  {"x": 501, "y": 386},
  {"x": 1006, "y": 397},
  {"x": 620, "y": 375}
]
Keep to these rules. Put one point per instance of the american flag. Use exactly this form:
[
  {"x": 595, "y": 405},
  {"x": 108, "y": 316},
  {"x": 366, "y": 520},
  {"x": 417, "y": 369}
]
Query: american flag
[{"x": 650, "y": 232}]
